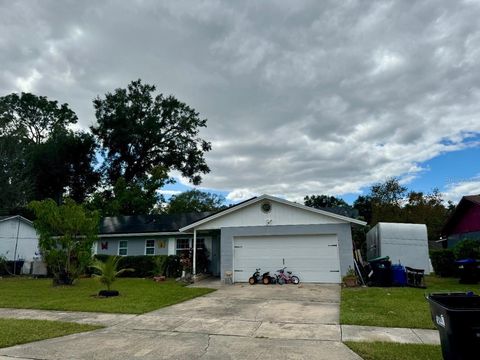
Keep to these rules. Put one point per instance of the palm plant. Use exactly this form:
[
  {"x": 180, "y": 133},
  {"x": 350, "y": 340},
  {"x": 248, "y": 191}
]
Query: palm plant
[{"x": 108, "y": 270}]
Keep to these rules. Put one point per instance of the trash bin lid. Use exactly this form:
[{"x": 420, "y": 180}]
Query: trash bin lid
[
  {"x": 466, "y": 261},
  {"x": 456, "y": 301},
  {"x": 381, "y": 258}
]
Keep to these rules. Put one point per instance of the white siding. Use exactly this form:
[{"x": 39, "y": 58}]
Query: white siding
[
  {"x": 280, "y": 214},
  {"x": 407, "y": 243},
  {"x": 27, "y": 246}
]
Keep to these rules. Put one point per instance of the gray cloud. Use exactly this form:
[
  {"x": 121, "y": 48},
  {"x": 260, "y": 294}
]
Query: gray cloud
[{"x": 302, "y": 97}]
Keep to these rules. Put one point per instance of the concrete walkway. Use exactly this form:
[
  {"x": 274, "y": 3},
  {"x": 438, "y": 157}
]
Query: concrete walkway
[
  {"x": 92, "y": 318},
  {"x": 235, "y": 322},
  {"x": 231, "y": 327}
]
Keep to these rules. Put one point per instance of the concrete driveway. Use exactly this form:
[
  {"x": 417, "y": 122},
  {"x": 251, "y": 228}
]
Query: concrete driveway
[{"x": 235, "y": 322}]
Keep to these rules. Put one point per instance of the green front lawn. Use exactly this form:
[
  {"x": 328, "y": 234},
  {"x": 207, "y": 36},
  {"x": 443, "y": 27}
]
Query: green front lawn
[
  {"x": 14, "y": 331},
  {"x": 394, "y": 351},
  {"x": 137, "y": 296},
  {"x": 395, "y": 307}
]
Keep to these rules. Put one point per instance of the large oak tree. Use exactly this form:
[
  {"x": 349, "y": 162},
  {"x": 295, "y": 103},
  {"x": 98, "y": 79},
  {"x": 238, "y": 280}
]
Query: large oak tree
[
  {"x": 141, "y": 130},
  {"x": 40, "y": 156}
]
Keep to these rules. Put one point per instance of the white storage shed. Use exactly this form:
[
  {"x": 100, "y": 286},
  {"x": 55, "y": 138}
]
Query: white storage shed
[
  {"x": 19, "y": 241},
  {"x": 407, "y": 243}
]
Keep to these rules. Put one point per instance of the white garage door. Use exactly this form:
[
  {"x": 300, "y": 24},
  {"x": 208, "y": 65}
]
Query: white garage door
[{"x": 313, "y": 258}]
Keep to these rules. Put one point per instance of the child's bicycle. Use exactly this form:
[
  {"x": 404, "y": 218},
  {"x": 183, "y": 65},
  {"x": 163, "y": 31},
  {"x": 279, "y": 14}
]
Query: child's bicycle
[{"x": 287, "y": 278}]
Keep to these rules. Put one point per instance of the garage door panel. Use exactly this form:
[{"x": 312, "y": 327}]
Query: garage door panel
[{"x": 314, "y": 258}]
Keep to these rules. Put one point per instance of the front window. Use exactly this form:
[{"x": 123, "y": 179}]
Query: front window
[
  {"x": 183, "y": 246},
  {"x": 150, "y": 247},
  {"x": 123, "y": 248}
]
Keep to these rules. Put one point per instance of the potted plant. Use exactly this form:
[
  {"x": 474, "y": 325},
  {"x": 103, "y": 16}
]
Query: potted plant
[
  {"x": 350, "y": 279},
  {"x": 108, "y": 274}
]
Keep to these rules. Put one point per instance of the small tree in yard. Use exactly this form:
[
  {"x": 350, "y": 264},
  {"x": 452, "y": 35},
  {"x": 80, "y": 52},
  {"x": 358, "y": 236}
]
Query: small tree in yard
[
  {"x": 108, "y": 273},
  {"x": 67, "y": 234}
]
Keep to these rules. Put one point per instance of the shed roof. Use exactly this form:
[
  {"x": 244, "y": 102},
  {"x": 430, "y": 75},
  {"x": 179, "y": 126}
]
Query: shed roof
[{"x": 8, "y": 217}]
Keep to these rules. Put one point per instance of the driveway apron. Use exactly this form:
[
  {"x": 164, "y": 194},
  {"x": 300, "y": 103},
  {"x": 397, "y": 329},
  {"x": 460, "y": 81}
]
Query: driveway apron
[{"x": 235, "y": 322}]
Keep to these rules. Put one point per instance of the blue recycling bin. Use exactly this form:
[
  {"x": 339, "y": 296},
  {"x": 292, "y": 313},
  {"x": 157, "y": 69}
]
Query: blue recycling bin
[
  {"x": 399, "y": 275},
  {"x": 469, "y": 271}
]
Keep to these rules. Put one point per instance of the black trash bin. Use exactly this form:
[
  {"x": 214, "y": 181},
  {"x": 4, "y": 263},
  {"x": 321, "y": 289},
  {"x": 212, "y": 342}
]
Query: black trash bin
[
  {"x": 457, "y": 318},
  {"x": 381, "y": 271},
  {"x": 469, "y": 270}
]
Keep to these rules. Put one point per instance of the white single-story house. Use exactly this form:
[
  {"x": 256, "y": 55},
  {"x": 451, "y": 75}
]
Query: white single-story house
[
  {"x": 263, "y": 232},
  {"x": 18, "y": 240}
]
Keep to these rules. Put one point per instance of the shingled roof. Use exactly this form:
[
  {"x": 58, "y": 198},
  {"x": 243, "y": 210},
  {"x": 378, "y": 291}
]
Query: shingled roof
[{"x": 148, "y": 223}]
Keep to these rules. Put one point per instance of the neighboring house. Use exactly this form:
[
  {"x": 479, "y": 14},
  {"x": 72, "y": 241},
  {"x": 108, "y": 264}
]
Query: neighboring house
[
  {"x": 264, "y": 232},
  {"x": 464, "y": 223},
  {"x": 18, "y": 240}
]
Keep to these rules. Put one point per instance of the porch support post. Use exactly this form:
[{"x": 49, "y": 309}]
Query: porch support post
[{"x": 194, "y": 251}]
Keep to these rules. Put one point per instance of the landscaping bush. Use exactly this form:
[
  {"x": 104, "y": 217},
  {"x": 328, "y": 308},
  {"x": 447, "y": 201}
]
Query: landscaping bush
[
  {"x": 174, "y": 267},
  {"x": 143, "y": 265},
  {"x": 160, "y": 265},
  {"x": 443, "y": 262},
  {"x": 467, "y": 249}
]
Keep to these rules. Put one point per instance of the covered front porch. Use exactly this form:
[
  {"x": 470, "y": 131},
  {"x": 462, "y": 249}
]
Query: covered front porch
[{"x": 206, "y": 252}]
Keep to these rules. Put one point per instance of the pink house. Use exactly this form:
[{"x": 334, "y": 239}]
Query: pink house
[{"x": 464, "y": 222}]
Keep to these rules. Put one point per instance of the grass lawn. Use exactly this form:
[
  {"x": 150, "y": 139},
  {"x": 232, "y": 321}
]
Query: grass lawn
[
  {"x": 393, "y": 351},
  {"x": 14, "y": 331},
  {"x": 137, "y": 296},
  {"x": 395, "y": 307}
]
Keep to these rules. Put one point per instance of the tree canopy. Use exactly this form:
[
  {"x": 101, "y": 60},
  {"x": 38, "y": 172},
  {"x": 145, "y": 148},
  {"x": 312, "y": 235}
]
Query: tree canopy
[
  {"x": 33, "y": 118},
  {"x": 64, "y": 166},
  {"x": 134, "y": 198},
  {"x": 16, "y": 187},
  {"x": 140, "y": 131},
  {"x": 324, "y": 201},
  {"x": 66, "y": 237},
  {"x": 40, "y": 157},
  {"x": 195, "y": 201}
]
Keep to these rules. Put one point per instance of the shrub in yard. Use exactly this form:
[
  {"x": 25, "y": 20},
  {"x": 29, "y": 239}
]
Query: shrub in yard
[
  {"x": 160, "y": 265},
  {"x": 174, "y": 267},
  {"x": 143, "y": 265},
  {"x": 466, "y": 249},
  {"x": 108, "y": 270},
  {"x": 67, "y": 233},
  {"x": 443, "y": 262}
]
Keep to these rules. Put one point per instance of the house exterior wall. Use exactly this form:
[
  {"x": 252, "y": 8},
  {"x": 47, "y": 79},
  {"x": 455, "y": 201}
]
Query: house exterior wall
[
  {"x": 454, "y": 239},
  {"x": 469, "y": 221},
  {"x": 136, "y": 245},
  {"x": 27, "y": 246},
  {"x": 342, "y": 231},
  {"x": 280, "y": 214}
]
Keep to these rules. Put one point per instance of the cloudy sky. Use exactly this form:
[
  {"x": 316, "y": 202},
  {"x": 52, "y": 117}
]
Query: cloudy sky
[{"x": 301, "y": 97}]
